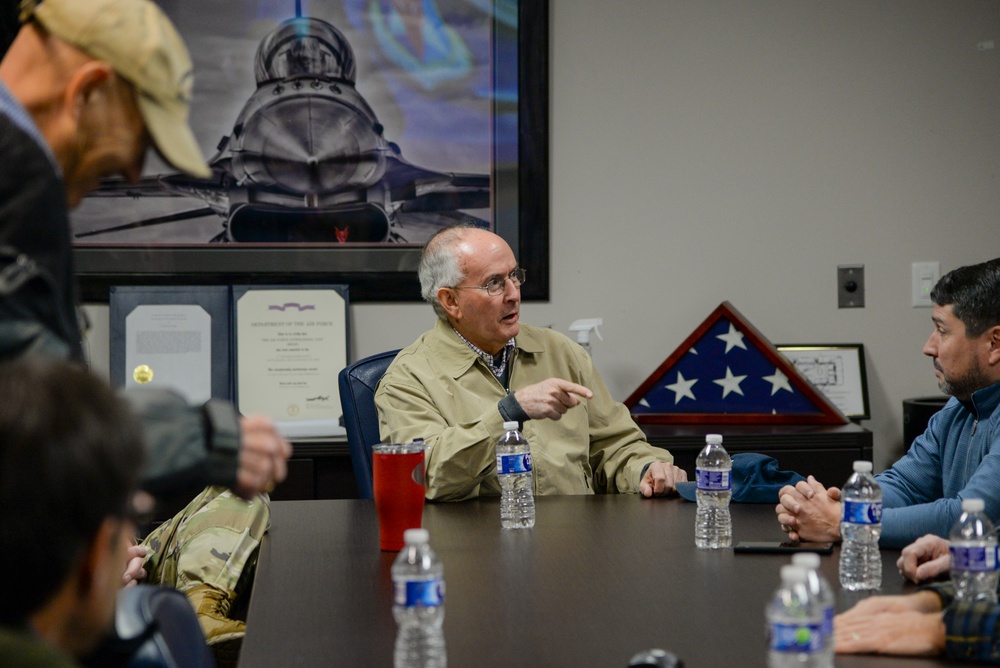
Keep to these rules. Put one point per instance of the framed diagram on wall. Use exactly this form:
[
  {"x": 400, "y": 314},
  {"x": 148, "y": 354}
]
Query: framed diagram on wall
[
  {"x": 341, "y": 135},
  {"x": 837, "y": 370}
]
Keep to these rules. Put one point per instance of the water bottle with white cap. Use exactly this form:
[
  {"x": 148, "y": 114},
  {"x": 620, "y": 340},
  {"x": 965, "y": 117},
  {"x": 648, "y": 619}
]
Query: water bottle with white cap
[
  {"x": 795, "y": 624},
  {"x": 860, "y": 529},
  {"x": 713, "y": 524},
  {"x": 418, "y": 604},
  {"x": 823, "y": 593},
  {"x": 517, "y": 499},
  {"x": 974, "y": 564}
]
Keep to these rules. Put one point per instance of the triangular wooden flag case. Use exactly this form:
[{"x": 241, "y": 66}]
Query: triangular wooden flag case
[{"x": 727, "y": 372}]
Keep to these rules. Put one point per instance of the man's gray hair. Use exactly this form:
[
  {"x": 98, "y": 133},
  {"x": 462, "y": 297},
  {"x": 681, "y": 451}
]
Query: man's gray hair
[{"x": 439, "y": 264}]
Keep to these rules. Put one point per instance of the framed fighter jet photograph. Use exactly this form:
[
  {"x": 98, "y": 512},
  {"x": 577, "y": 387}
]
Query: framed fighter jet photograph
[{"x": 341, "y": 135}]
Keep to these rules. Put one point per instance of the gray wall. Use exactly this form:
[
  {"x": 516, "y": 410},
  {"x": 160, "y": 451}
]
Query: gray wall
[{"x": 709, "y": 150}]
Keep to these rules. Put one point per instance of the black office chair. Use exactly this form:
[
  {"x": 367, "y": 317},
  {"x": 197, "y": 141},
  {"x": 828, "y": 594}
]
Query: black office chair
[
  {"x": 357, "y": 399},
  {"x": 155, "y": 627}
]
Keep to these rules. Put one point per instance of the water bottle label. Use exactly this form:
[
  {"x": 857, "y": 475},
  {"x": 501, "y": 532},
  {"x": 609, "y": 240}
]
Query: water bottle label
[
  {"x": 425, "y": 593},
  {"x": 796, "y": 637},
  {"x": 828, "y": 614},
  {"x": 981, "y": 558},
  {"x": 520, "y": 463},
  {"x": 863, "y": 512},
  {"x": 714, "y": 481}
]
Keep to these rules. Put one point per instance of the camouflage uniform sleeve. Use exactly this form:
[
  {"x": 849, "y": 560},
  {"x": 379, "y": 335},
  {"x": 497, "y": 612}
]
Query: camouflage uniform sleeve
[{"x": 186, "y": 446}]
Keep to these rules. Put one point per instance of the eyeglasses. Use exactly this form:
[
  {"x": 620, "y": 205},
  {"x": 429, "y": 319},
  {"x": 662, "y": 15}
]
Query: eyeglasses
[{"x": 496, "y": 285}]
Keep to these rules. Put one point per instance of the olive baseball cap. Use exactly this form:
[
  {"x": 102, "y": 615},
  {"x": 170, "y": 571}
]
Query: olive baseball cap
[{"x": 137, "y": 39}]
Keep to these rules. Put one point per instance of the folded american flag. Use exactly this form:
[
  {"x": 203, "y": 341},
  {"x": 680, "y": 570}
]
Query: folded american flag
[{"x": 726, "y": 371}]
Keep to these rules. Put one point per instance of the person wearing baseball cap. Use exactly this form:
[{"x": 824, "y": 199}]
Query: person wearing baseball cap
[
  {"x": 142, "y": 47},
  {"x": 86, "y": 87}
]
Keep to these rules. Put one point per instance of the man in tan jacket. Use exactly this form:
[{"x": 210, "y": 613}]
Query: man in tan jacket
[{"x": 479, "y": 367}]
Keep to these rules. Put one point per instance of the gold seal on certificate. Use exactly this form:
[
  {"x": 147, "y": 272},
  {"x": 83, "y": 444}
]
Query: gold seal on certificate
[
  {"x": 291, "y": 344},
  {"x": 142, "y": 374}
]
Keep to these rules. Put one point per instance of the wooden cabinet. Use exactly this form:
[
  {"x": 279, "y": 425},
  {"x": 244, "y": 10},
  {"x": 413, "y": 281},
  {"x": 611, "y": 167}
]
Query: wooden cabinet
[{"x": 318, "y": 470}]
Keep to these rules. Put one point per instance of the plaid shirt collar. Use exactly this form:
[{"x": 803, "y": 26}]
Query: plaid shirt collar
[{"x": 497, "y": 365}]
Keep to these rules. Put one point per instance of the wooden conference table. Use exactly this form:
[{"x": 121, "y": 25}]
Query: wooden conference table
[{"x": 596, "y": 581}]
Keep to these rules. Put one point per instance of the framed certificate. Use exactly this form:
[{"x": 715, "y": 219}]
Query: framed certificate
[
  {"x": 291, "y": 342},
  {"x": 837, "y": 370},
  {"x": 171, "y": 336}
]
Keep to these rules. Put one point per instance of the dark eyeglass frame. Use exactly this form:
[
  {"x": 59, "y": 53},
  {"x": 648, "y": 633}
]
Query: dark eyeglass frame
[{"x": 496, "y": 285}]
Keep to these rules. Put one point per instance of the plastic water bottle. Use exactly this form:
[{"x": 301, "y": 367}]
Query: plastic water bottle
[
  {"x": 517, "y": 500},
  {"x": 823, "y": 593},
  {"x": 795, "y": 624},
  {"x": 418, "y": 604},
  {"x": 974, "y": 565},
  {"x": 860, "y": 528},
  {"x": 713, "y": 525}
]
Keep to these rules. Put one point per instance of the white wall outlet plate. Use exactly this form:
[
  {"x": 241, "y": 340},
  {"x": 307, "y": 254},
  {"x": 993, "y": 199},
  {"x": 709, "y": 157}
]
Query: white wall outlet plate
[{"x": 925, "y": 277}]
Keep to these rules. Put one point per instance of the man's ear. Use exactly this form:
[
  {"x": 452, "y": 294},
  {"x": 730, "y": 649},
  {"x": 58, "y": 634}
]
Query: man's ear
[
  {"x": 993, "y": 334},
  {"x": 94, "y": 583},
  {"x": 95, "y": 565},
  {"x": 85, "y": 80},
  {"x": 449, "y": 302}
]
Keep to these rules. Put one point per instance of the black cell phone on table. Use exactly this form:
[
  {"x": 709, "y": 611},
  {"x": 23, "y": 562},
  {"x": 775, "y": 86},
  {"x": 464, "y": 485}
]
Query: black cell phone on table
[{"x": 779, "y": 547}]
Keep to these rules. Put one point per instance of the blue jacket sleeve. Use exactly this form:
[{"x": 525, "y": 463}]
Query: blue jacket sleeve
[
  {"x": 952, "y": 460},
  {"x": 911, "y": 489}
]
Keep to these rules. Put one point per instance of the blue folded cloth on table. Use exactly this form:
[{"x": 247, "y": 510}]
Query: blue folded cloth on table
[{"x": 756, "y": 479}]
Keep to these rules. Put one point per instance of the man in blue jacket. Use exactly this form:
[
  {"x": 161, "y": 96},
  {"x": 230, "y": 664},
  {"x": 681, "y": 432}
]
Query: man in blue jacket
[{"x": 955, "y": 457}]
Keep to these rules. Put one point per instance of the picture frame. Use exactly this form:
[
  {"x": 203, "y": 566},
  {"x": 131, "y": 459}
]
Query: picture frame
[
  {"x": 519, "y": 206},
  {"x": 289, "y": 343},
  {"x": 172, "y": 336},
  {"x": 837, "y": 370}
]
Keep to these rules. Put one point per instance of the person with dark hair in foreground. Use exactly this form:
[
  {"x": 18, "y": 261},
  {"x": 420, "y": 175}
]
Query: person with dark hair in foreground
[{"x": 70, "y": 457}]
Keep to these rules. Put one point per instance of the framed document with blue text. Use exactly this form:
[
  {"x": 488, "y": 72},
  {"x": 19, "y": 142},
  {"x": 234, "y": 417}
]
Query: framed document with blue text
[
  {"x": 291, "y": 343},
  {"x": 171, "y": 336}
]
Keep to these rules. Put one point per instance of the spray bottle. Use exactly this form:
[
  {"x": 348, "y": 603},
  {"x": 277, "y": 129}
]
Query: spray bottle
[{"x": 583, "y": 329}]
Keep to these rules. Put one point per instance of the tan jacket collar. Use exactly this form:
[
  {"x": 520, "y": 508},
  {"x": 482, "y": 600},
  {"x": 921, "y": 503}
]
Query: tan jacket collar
[{"x": 457, "y": 358}]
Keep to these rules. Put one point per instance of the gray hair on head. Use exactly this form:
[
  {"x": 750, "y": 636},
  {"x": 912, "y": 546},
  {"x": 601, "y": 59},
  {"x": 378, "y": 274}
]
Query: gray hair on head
[{"x": 439, "y": 264}]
